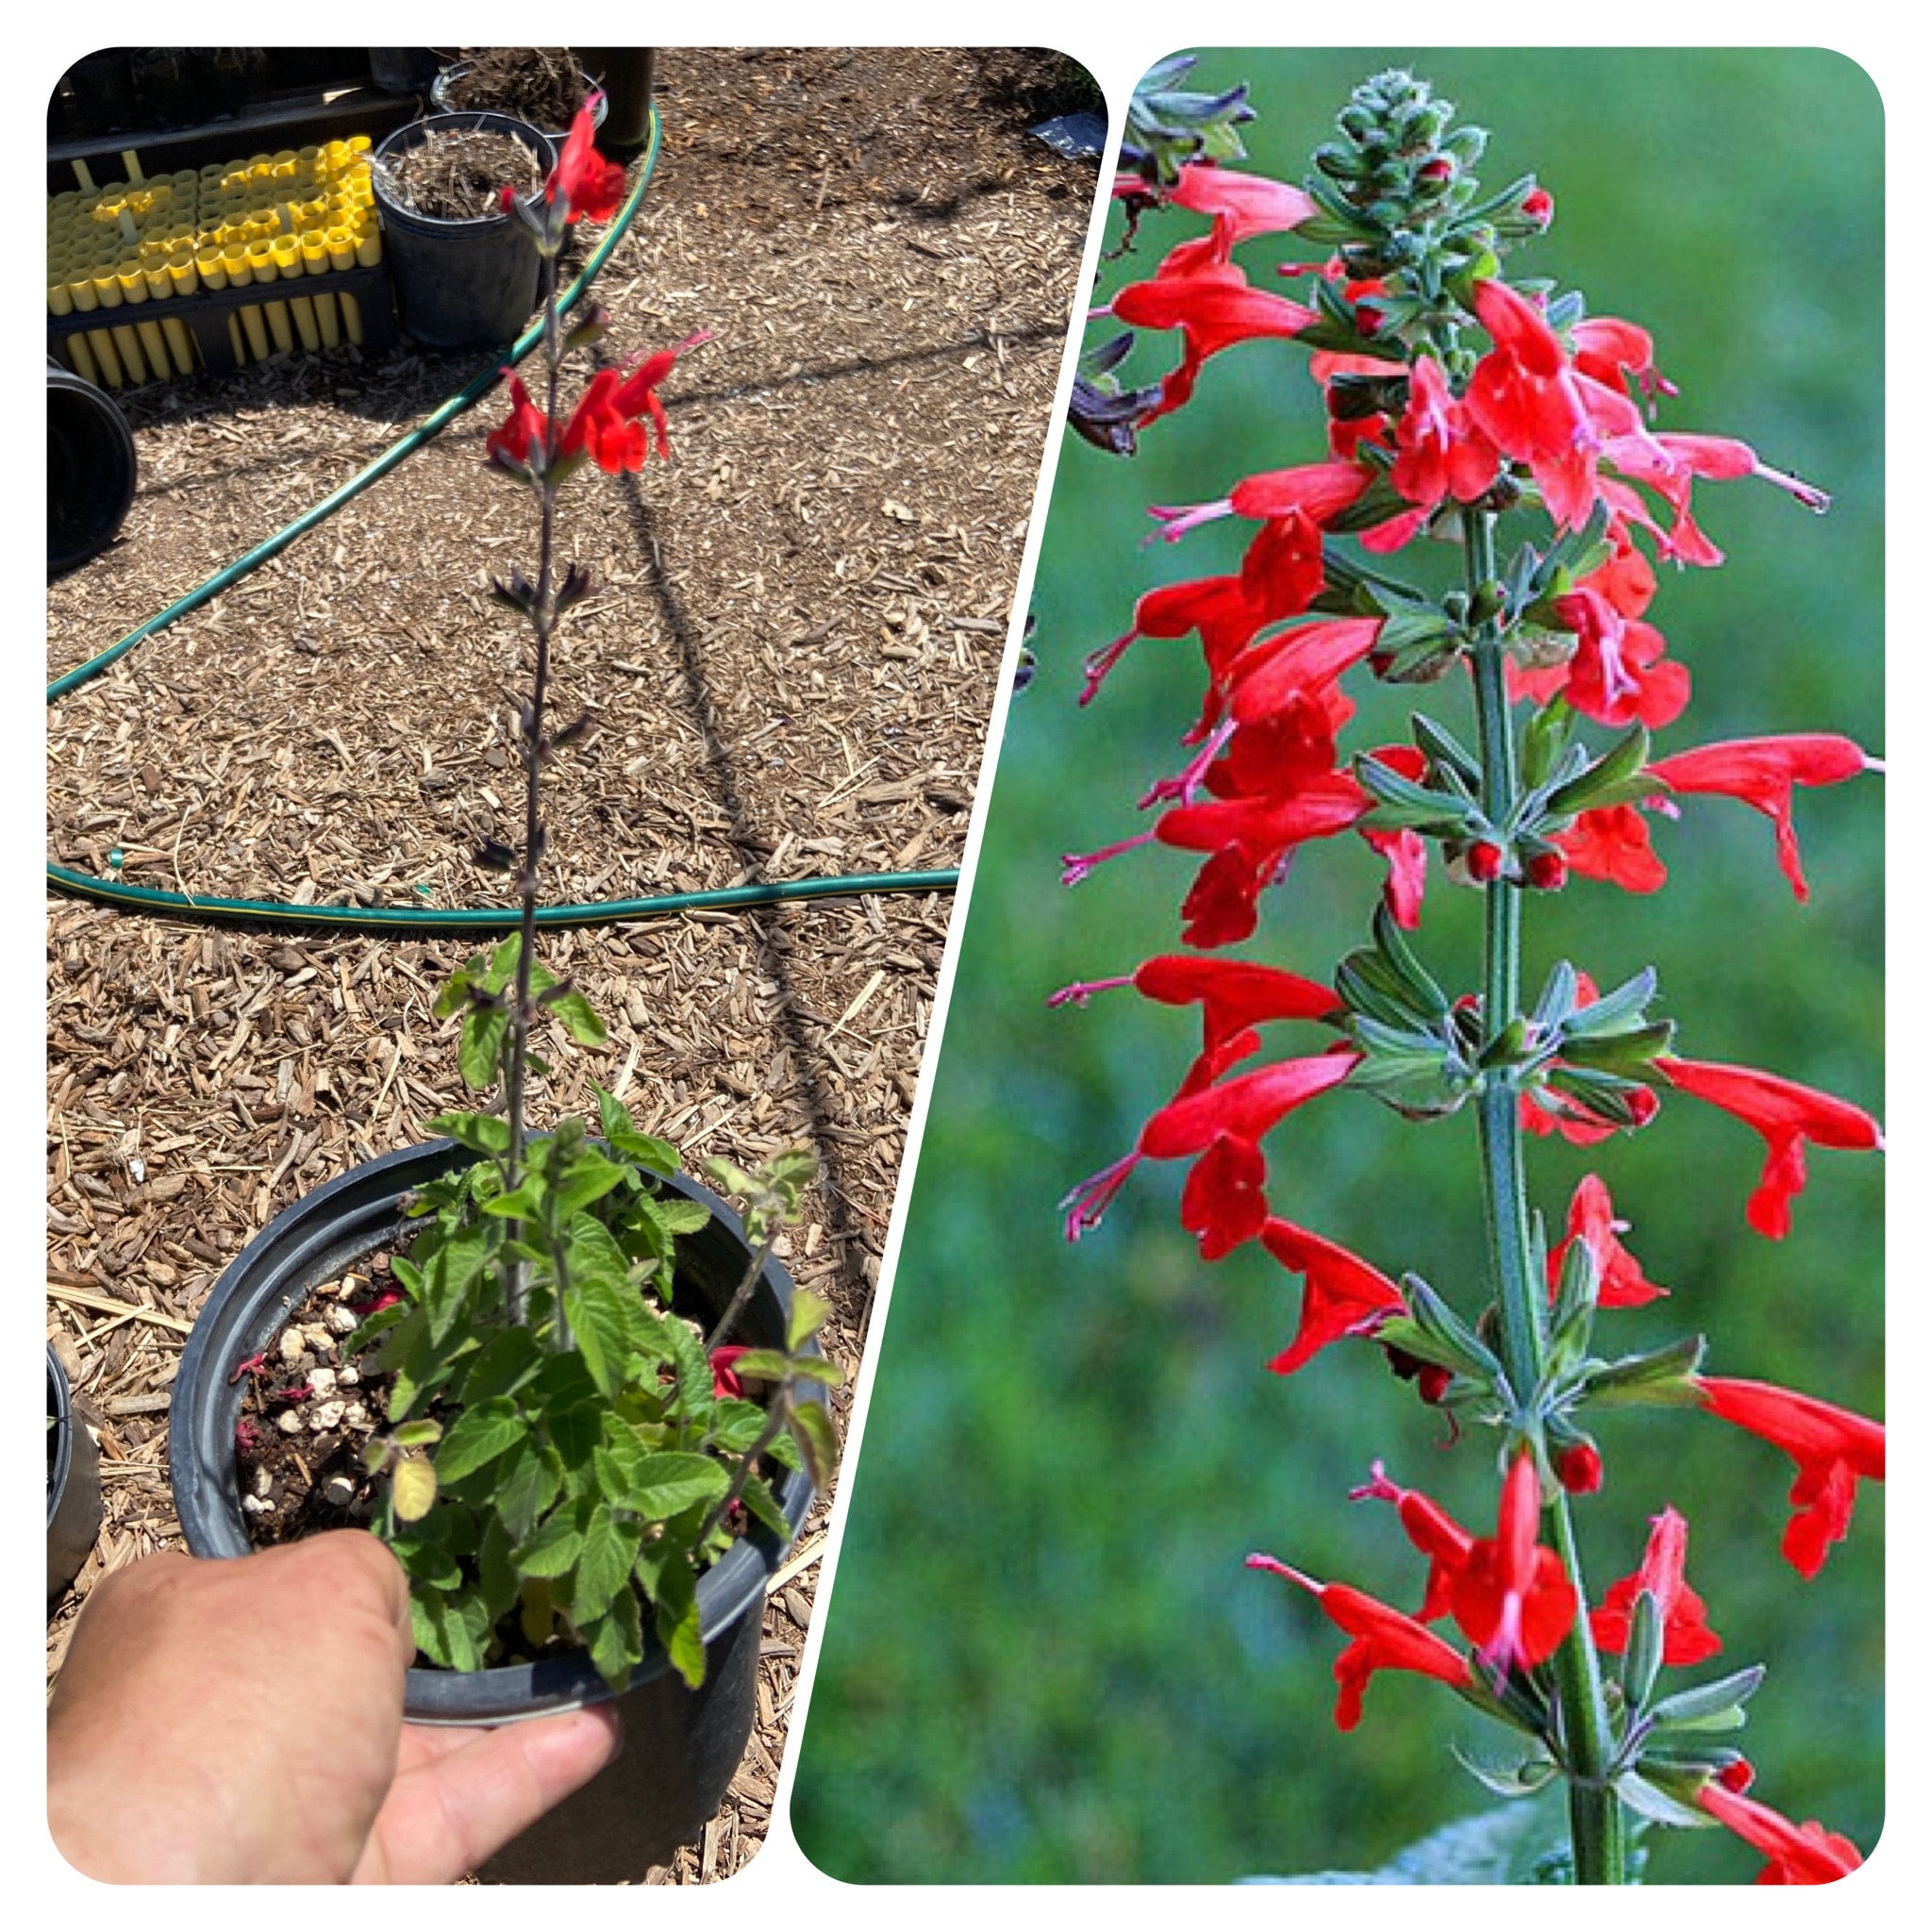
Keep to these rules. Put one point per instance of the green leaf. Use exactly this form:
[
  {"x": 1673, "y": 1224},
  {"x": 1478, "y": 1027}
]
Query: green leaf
[
  {"x": 1658, "y": 1807},
  {"x": 604, "y": 1563},
  {"x": 414, "y": 1435},
  {"x": 505, "y": 1364},
  {"x": 455, "y": 988},
  {"x": 817, "y": 1440},
  {"x": 501, "y": 968},
  {"x": 447, "y": 1278},
  {"x": 1666, "y": 1376},
  {"x": 379, "y": 1323},
  {"x": 663, "y": 1484},
  {"x": 1501, "y": 1846},
  {"x": 579, "y": 1018},
  {"x": 526, "y": 1486},
  {"x": 616, "y": 1639},
  {"x": 444, "y": 1631},
  {"x": 574, "y": 1433},
  {"x": 479, "y": 1434},
  {"x": 483, "y": 1133},
  {"x": 496, "y": 1577},
  {"x": 681, "y": 1217},
  {"x": 600, "y": 1324},
  {"x": 1613, "y": 1012},
  {"x": 664, "y": 1570},
  {"x": 760, "y": 1500},
  {"x": 808, "y": 1316},
  {"x": 552, "y": 1550},
  {"x": 480, "y": 1045},
  {"x": 427, "y": 1561},
  {"x": 1713, "y": 1706}
]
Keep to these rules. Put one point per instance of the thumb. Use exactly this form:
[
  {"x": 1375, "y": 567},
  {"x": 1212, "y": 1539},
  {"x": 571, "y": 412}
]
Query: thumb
[{"x": 461, "y": 1794}]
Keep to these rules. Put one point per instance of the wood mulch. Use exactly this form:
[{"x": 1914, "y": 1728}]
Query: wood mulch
[{"x": 791, "y": 659}]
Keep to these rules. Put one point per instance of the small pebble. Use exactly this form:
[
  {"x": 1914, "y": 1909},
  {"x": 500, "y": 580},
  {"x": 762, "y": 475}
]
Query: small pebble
[
  {"x": 256, "y": 1505},
  {"x": 350, "y": 1287},
  {"x": 290, "y": 1421},
  {"x": 355, "y": 1416},
  {"x": 339, "y": 1492},
  {"x": 292, "y": 1345},
  {"x": 319, "y": 1338},
  {"x": 340, "y": 1319},
  {"x": 326, "y": 1417},
  {"x": 264, "y": 1482},
  {"x": 322, "y": 1381},
  {"x": 348, "y": 1375}
]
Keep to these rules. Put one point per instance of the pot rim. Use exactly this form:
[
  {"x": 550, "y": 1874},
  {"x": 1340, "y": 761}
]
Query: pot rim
[
  {"x": 445, "y": 74},
  {"x": 411, "y": 134},
  {"x": 61, "y": 1403},
  {"x": 311, "y": 1241}
]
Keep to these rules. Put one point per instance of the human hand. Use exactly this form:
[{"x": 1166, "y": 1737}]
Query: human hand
[{"x": 240, "y": 1720}]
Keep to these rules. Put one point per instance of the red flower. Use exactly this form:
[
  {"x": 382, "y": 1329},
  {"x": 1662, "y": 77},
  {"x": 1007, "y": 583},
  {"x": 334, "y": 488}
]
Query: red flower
[
  {"x": 1832, "y": 1447},
  {"x": 1384, "y": 1640},
  {"x": 590, "y": 186},
  {"x": 1210, "y": 300},
  {"x": 1439, "y": 450},
  {"x": 1606, "y": 350},
  {"x": 1511, "y": 1596},
  {"x": 1243, "y": 1108},
  {"x": 604, "y": 425},
  {"x": 526, "y": 429},
  {"x": 1762, "y": 771},
  {"x": 1687, "y": 1638},
  {"x": 1593, "y": 1221},
  {"x": 1798, "y": 1853},
  {"x": 1525, "y": 397},
  {"x": 1344, "y": 1295},
  {"x": 1431, "y": 1529},
  {"x": 1619, "y": 674},
  {"x": 725, "y": 1379},
  {"x": 1242, "y": 205},
  {"x": 1613, "y": 843},
  {"x": 1235, "y": 994},
  {"x": 1787, "y": 1115}
]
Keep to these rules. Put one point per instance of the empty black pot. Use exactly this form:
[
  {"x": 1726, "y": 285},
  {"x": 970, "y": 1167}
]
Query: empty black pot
[
  {"x": 73, "y": 1485},
  {"x": 459, "y": 284},
  {"x": 90, "y": 469},
  {"x": 681, "y": 1746}
]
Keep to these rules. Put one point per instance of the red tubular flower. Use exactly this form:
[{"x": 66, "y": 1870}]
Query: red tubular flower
[
  {"x": 1613, "y": 843},
  {"x": 1431, "y": 1529},
  {"x": 1511, "y": 1596},
  {"x": 1385, "y": 1639},
  {"x": 1593, "y": 1221},
  {"x": 590, "y": 187},
  {"x": 1235, "y": 994},
  {"x": 526, "y": 429},
  {"x": 1439, "y": 450},
  {"x": 725, "y": 1379},
  {"x": 1273, "y": 672},
  {"x": 1344, "y": 1295},
  {"x": 1798, "y": 1853},
  {"x": 1832, "y": 1447},
  {"x": 1529, "y": 401},
  {"x": 1688, "y": 1638},
  {"x": 1245, "y": 1108},
  {"x": 1607, "y": 350},
  {"x": 604, "y": 425},
  {"x": 1213, "y": 305},
  {"x": 1762, "y": 771},
  {"x": 1787, "y": 1115},
  {"x": 1243, "y": 206}
]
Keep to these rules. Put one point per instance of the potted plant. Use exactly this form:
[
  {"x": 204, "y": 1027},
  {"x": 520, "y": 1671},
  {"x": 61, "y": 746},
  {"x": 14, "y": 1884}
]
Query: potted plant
[
  {"x": 465, "y": 269},
  {"x": 73, "y": 1484},
  {"x": 560, "y": 1440},
  {"x": 544, "y": 86}
]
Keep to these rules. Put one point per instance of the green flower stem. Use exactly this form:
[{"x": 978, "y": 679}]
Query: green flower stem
[
  {"x": 1596, "y": 1820},
  {"x": 734, "y": 1308}
]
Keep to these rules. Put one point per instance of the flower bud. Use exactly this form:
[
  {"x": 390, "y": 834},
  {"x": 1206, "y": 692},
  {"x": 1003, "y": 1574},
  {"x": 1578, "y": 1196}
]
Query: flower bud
[
  {"x": 1484, "y": 862},
  {"x": 1580, "y": 1469},
  {"x": 1548, "y": 871},
  {"x": 1538, "y": 206}
]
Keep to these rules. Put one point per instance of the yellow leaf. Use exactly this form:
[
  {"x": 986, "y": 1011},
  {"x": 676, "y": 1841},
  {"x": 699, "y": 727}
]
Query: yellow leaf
[{"x": 415, "y": 1487}]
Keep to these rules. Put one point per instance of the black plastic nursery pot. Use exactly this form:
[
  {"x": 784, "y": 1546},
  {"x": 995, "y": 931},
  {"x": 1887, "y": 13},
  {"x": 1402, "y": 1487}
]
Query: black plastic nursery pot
[
  {"x": 459, "y": 284},
  {"x": 73, "y": 1485},
  {"x": 448, "y": 76},
  {"x": 90, "y": 469},
  {"x": 681, "y": 1746}
]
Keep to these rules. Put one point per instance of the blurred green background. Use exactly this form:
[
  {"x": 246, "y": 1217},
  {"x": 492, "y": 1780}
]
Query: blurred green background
[{"x": 1043, "y": 1660}]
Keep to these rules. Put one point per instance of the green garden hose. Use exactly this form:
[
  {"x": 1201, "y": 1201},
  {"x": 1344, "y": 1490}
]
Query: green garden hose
[{"x": 408, "y": 918}]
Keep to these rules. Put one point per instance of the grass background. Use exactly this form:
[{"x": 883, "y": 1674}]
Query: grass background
[{"x": 1043, "y": 1660}]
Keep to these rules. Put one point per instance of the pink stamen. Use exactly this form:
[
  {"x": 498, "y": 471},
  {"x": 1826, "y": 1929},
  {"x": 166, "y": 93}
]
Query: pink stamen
[
  {"x": 1181, "y": 520},
  {"x": 1076, "y": 866},
  {"x": 1378, "y": 1489},
  {"x": 1185, "y": 783},
  {"x": 1087, "y": 1203},
  {"x": 1813, "y": 498},
  {"x": 1100, "y": 662},
  {"x": 1257, "y": 1561},
  {"x": 1082, "y": 990}
]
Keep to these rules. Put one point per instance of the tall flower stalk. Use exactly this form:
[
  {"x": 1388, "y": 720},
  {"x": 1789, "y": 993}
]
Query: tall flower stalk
[{"x": 1502, "y": 417}]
